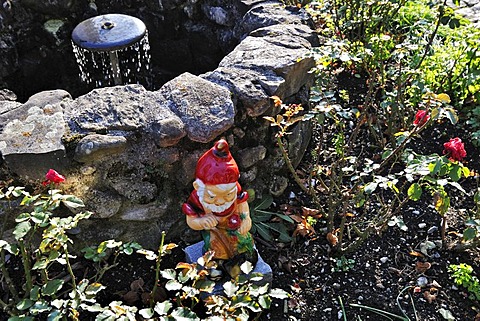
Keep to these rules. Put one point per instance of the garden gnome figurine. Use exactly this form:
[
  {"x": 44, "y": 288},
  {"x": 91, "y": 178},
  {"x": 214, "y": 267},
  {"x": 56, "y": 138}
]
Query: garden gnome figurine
[{"x": 218, "y": 207}]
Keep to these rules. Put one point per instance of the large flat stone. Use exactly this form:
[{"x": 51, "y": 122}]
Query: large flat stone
[
  {"x": 31, "y": 137},
  {"x": 206, "y": 109}
]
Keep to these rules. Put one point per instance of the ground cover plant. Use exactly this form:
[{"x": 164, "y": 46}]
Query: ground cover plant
[{"x": 381, "y": 220}]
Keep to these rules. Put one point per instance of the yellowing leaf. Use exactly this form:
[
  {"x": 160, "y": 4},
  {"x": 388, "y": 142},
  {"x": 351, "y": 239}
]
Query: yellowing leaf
[
  {"x": 276, "y": 100},
  {"x": 415, "y": 253},
  {"x": 444, "y": 98},
  {"x": 270, "y": 119},
  {"x": 332, "y": 239}
]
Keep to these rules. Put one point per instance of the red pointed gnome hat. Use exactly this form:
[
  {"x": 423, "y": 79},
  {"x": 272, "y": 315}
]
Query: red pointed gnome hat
[{"x": 217, "y": 165}]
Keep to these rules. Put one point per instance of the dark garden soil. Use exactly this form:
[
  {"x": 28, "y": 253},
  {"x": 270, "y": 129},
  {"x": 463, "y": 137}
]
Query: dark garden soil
[{"x": 387, "y": 272}]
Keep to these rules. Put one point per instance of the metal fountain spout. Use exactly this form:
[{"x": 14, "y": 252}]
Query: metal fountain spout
[{"x": 109, "y": 34}]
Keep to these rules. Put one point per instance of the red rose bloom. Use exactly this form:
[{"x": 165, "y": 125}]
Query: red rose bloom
[
  {"x": 234, "y": 222},
  {"x": 421, "y": 118},
  {"x": 53, "y": 177},
  {"x": 455, "y": 149}
]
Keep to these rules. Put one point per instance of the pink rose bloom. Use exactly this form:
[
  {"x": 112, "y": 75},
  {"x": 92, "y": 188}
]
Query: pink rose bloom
[
  {"x": 234, "y": 222},
  {"x": 53, "y": 177},
  {"x": 455, "y": 149},
  {"x": 421, "y": 118}
]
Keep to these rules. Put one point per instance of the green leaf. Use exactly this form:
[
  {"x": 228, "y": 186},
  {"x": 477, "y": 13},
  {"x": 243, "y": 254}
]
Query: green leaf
[
  {"x": 204, "y": 285},
  {"x": 386, "y": 153},
  {"x": 72, "y": 201},
  {"x": 55, "y": 316},
  {"x": 22, "y": 229},
  {"x": 465, "y": 171},
  {"x": 168, "y": 274},
  {"x": 452, "y": 115},
  {"x": 264, "y": 203},
  {"x": 278, "y": 293},
  {"x": 414, "y": 192},
  {"x": 149, "y": 255},
  {"x": 35, "y": 293},
  {"x": 370, "y": 187},
  {"x": 39, "y": 217},
  {"x": 261, "y": 216},
  {"x": 435, "y": 113},
  {"x": 184, "y": 314},
  {"x": 285, "y": 217},
  {"x": 246, "y": 267},
  {"x": 455, "y": 173},
  {"x": 146, "y": 313},
  {"x": 265, "y": 301},
  {"x": 173, "y": 285},
  {"x": 24, "y": 304},
  {"x": 162, "y": 308},
  {"x": 264, "y": 232},
  {"x": 94, "y": 288},
  {"x": 469, "y": 234},
  {"x": 12, "y": 249},
  {"x": 52, "y": 286},
  {"x": 41, "y": 264},
  {"x": 40, "y": 307},
  {"x": 435, "y": 167},
  {"x": 230, "y": 289},
  {"x": 15, "y": 318}
]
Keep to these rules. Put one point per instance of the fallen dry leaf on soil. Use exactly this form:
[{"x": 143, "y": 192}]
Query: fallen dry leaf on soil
[
  {"x": 429, "y": 297},
  {"x": 422, "y": 267},
  {"x": 332, "y": 238}
]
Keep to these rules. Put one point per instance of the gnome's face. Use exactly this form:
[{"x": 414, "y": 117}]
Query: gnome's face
[{"x": 216, "y": 198}]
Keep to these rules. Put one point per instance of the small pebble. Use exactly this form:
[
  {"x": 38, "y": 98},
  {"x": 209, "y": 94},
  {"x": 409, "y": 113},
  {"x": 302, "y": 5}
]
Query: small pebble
[
  {"x": 432, "y": 229},
  {"x": 422, "y": 225},
  {"x": 422, "y": 281},
  {"x": 416, "y": 212},
  {"x": 384, "y": 259}
]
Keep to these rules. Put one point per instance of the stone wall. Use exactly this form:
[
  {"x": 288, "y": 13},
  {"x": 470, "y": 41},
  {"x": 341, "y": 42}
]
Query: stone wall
[{"x": 130, "y": 153}]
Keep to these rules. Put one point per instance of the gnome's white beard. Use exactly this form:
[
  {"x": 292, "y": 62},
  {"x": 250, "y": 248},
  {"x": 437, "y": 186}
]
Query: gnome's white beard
[
  {"x": 212, "y": 207},
  {"x": 216, "y": 208}
]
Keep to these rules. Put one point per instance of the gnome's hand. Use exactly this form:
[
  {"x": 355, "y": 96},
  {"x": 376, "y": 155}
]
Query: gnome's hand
[
  {"x": 208, "y": 221},
  {"x": 246, "y": 225}
]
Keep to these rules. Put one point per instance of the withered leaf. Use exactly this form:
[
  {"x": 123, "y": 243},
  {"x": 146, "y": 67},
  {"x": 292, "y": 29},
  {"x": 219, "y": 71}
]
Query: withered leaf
[
  {"x": 332, "y": 238},
  {"x": 297, "y": 218},
  {"x": 421, "y": 267},
  {"x": 292, "y": 303},
  {"x": 304, "y": 229},
  {"x": 137, "y": 285},
  {"x": 130, "y": 297},
  {"x": 415, "y": 253},
  {"x": 429, "y": 296},
  {"x": 306, "y": 211},
  {"x": 276, "y": 100}
]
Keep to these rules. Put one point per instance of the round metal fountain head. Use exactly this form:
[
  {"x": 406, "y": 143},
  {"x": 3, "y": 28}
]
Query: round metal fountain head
[{"x": 108, "y": 32}]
